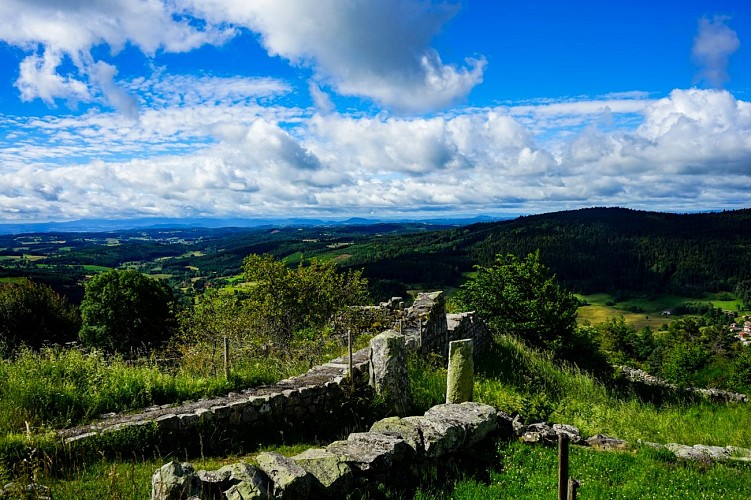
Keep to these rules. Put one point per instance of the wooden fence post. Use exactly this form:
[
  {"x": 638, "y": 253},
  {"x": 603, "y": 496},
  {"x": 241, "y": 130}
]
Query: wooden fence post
[
  {"x": 572, "y": 485},
  {"x": 562, "y": 466},
  {"x": 349, "y": 344},
  {"x": 226, "y": 357}
]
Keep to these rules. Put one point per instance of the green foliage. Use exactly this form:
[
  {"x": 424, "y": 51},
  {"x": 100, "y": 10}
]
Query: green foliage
[
  {"x": 310, "y": 296},
  {"x": 33, "y": 314},
  {"x": 125, "y": 310},
  {"x": 697, "y": 352},
  {"x": 521, "y": 298}
]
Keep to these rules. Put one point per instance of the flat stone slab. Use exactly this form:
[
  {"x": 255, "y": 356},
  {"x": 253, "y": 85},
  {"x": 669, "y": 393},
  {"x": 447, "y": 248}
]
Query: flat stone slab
[
  {"x": 371, "y": 451},
  {"x": 603, "y": 442}
]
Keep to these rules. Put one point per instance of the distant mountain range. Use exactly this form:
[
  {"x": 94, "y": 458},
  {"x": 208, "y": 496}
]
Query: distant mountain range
[{"x": 105, "y": 225}]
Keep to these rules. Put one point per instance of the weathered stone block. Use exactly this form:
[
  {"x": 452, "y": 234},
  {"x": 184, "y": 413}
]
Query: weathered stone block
[
  {"x": 602, "y": 442},
  {"x": 388, "y": 370},
  {"x": 204, "y": 416},
  {"x": 290, "y": 480},
  {"x": 168, "y": 422},
  {"x": 187, "y": 421},
  {"x": 250, "y": 415},
  {"x": 371, "y": 451},
  {"x": 174, "y": 481},
  {"x": 333, "y": 476},
  {"x": 460, "y": 378},
  {"x": 395, "y": 426},
  {"x": 221, "y": 412},
  {"x": 243, "y": 473},
  {"x": 451, "y": 427}
]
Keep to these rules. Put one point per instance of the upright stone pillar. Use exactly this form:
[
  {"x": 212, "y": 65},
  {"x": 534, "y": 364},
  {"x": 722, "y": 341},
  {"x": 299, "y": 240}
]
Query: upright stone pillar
[
  {"x": 460, "y": 378},
  {"x": 388, "y": 370}
]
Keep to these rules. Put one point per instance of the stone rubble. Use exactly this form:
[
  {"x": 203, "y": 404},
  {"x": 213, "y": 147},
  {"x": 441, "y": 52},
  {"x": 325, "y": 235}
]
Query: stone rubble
[{"x": 716, "y": 395}]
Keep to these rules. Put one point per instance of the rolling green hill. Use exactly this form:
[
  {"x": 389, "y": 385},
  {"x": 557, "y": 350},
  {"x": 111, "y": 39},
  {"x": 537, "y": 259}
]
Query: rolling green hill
[{"x": 591, "y": 250}]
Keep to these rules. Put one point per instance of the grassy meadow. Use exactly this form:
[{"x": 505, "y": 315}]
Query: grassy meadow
[{"x": 646, "y": 311}]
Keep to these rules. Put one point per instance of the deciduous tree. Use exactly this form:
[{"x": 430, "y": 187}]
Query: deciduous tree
[
  {"x": 520, "y": 297},
  {"x": 309, "y": 296},
  {"x": 126, "y": 310},
  {"x": 33, "y": 314}
]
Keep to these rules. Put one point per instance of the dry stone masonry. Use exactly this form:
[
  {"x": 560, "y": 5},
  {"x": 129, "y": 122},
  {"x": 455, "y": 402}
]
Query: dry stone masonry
[
  {"x": 309, "y": 400},
  {"x": 394, "y": 450}
]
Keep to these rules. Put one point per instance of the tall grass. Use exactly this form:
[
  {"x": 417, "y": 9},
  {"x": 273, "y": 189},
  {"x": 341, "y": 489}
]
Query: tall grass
[{"x": 62, "y": 387}]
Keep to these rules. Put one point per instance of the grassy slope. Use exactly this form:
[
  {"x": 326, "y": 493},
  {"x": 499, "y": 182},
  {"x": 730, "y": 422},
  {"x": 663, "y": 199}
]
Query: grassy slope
[{"x": 515, "y": 378}]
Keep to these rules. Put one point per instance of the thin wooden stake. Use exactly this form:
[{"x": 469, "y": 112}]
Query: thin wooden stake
[
  {"x": 562, "y": 466},
  {"x": 572, "y": 485},
  {"x": 349, "y": 345},
  {"x": 226, "y": 357}
]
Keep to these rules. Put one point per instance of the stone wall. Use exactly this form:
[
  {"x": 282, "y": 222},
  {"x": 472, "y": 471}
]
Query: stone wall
[
  {"x": 315, "y": 400},
  {"x": 394, "y": 451}
]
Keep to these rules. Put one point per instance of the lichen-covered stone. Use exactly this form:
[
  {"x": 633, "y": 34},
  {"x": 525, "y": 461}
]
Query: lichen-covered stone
[
  {"x": 477, "y": 420},
  {"x": 461, "y": 371},
  {"x": 573, "y": 433},
  {"x": 539, "y": 433},
  {"x": 333, "y": 476},
  {"x": 245, "y": 481},
  {"x": 388, "y": 370},
  {"x": 246, "y": 491},
  {"x": 395, "y": 426},
  {"x": 290, "y": 480},
  {"x": 174, "y": 481}
]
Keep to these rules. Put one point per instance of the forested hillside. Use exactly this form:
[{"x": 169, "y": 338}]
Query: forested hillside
[{"x": 591, "y": 250}]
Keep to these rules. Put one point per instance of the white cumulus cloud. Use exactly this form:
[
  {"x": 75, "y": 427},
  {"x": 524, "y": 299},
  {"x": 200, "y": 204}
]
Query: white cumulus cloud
[
  {"x": 59, "y": 37},
  {"x": 714, "y": 43},
  {"x": 377, "y": 50}
]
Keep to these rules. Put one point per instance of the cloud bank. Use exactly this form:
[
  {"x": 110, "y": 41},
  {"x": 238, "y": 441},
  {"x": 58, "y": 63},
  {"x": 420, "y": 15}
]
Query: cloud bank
[
  {"x": 191, "y": 145},
  {"x": 237, "y": 157}
]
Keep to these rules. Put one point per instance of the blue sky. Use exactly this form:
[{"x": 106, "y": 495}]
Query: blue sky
[{"x": 230, "y": 108}]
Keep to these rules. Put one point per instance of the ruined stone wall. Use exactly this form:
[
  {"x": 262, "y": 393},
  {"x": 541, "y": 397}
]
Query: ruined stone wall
[
  {"x": 394, "y": 451},
  {"x": 311, "y": 400}
]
